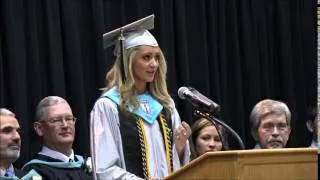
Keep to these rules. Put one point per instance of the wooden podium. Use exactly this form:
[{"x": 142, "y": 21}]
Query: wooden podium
[{"x": 286, "y": 163}]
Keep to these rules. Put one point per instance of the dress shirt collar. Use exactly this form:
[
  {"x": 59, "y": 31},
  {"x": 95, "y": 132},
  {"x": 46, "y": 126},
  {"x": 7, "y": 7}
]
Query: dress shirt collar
[
  {"x": 3, "y": 171},
  {"x": 314, "y": 144},
  {"x": 257, "y": 146},
  {"x": 56, "y": 155}
]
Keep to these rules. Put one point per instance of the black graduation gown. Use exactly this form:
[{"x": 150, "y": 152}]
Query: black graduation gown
[
  {"x": 19, "y": 173},
  {"x": 56, "y": 173}
]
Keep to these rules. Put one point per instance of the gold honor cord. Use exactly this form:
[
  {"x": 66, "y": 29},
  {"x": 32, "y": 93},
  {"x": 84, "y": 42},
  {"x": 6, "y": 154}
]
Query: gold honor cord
[
  {"x": 144, "y": 148},
  {"x": 166, "y": 133}
]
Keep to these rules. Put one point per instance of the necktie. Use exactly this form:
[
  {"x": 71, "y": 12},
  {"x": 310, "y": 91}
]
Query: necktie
[{"x": 9, "y": 174}]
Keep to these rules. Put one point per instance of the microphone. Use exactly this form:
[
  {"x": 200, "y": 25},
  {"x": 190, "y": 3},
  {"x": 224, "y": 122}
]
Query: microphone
[{"x": 198, "y": 100}]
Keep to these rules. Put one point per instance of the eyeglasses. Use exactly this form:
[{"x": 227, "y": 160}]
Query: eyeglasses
[
  {"x": 270, "y": 127},
  {"x": 59, "y": 121}
]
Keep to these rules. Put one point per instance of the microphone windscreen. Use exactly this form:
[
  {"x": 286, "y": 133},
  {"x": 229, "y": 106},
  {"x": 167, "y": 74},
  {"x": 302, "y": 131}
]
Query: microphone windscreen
[{"x": 181, "y": 92}]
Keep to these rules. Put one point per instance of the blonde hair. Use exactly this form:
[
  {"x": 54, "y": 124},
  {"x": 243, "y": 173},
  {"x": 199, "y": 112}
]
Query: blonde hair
[{"x": 157, "y": 88}]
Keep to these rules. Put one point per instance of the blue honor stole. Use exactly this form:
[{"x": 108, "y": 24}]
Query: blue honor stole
[
  {"x": 148, "y": 110},
  {"x": 75, "y": 164}
]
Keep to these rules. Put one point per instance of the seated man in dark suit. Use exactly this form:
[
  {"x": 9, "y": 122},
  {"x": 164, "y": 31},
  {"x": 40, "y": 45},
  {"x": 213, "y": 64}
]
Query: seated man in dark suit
[
  {"x": 55, "y": 125},
  {"x": 312, "y": 125},
  {"x": 10, "y": 143}
]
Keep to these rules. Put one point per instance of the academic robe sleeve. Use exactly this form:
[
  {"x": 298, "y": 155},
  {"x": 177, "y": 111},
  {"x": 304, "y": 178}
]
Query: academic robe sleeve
[{"x": 176, "y": 122}]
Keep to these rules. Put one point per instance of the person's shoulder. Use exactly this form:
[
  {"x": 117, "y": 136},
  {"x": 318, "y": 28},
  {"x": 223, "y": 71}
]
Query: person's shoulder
[
  {"x": 104, "y": 103},
  {"x": 32, "y": 174},
  {"x": 105, "y": 99},
  {"x": 172, "y": 103},
  {"x": 43, "y": 170},
  {"x": 31, "y": 165},
  {"x": 34, "y": 163}
]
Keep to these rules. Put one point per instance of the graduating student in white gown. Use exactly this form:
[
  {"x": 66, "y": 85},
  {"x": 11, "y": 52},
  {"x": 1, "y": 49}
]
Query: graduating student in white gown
[{"x": 136, "y": 131}]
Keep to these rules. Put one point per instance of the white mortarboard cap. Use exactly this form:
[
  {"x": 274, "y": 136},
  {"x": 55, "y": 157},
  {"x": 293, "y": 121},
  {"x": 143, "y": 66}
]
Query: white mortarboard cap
[{"x": 135, "y": 34}]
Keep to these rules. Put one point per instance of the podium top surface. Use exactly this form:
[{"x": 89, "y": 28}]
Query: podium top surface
[
  {"x": 252, "y": 163},
  {"x": 261, "y": 151}
]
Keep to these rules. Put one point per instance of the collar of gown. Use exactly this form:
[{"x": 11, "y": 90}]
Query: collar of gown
[{"x": 148, "y": 110}]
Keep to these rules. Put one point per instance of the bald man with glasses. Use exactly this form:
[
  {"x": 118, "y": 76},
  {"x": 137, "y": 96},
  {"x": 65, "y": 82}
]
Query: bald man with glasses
[{"x": 55, "y": 125}]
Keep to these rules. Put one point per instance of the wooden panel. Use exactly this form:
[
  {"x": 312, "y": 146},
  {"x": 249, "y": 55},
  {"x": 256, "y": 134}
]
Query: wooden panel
[{"x": 288, "y": 163}]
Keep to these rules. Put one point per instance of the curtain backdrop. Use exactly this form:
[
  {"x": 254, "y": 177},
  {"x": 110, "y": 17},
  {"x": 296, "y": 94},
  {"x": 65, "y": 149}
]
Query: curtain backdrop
[{"x": 236, "y": 52}]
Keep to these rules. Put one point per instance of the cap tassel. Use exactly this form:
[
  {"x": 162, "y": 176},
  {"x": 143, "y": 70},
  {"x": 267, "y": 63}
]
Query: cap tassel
[{"x": 121, "y": 39}]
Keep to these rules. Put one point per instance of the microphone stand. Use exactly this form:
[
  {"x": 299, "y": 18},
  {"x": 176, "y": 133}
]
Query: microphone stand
[{"x": 213, "y": 120}]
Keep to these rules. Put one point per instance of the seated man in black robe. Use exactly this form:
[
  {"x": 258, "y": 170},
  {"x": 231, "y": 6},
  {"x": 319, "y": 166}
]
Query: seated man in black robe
[{"x": 55, "y": 125}]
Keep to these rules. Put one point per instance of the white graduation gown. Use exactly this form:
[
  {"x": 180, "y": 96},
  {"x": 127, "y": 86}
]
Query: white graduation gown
[{"x": 106, "y": 144}]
